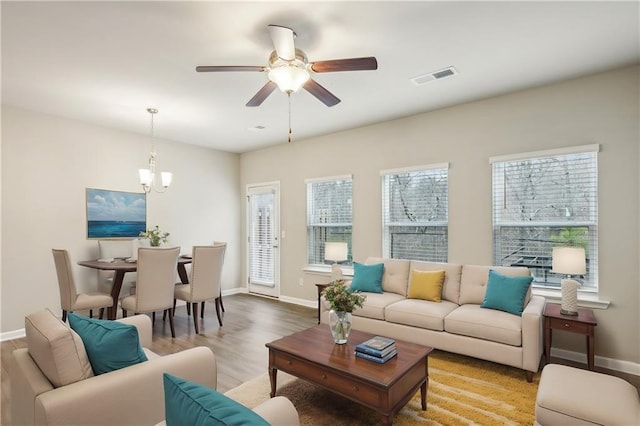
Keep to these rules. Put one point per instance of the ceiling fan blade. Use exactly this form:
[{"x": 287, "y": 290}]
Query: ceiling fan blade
[
  {"x": 214, "y": 68},
  {"x": 282, "y": 38},
  {"x": 262, "y": 94},
  {"x": 325, "y": 96},
  {"x": 352, "y": 64}
]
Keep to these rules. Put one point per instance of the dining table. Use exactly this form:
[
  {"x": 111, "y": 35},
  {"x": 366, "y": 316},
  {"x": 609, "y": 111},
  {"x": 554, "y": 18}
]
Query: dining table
[{"x": 121, "y": 267}]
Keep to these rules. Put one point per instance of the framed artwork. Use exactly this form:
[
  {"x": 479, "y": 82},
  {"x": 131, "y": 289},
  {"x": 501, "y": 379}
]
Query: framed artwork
[{"x": 115, "y": 214}]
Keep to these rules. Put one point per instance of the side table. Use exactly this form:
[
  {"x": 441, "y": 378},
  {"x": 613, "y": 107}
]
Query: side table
[
  {"x": 584, "y": 323},
  {"x": 320, "y": 287}
]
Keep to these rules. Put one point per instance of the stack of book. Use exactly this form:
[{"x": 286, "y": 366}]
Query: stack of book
[{"x": 377, "y": 349}]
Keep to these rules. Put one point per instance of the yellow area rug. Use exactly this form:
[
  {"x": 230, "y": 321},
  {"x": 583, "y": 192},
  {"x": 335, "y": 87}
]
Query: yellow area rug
[{"x": 462, "y": 391}]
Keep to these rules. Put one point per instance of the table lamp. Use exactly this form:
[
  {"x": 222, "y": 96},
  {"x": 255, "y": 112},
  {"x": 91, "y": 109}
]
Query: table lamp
[
  {"x": 569, "y": 261},
  {"x": 336, "y": 252}
]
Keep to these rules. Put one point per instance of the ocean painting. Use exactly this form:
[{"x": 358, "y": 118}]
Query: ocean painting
[{"x": 115, "y": 214}]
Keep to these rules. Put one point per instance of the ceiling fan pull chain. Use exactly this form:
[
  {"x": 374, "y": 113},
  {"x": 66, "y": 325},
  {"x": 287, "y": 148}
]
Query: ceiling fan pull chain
[{"x": 289, "y": 95}]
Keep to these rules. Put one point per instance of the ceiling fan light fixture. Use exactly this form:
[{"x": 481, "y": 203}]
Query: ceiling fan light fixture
[{"x": 289, "y": 78}]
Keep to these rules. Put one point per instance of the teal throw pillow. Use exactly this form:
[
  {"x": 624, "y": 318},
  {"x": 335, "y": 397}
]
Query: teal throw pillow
[
  {"x": 110, "y": 345},
  {"x": 506, "y": 293},
  {"x": 189, "y": 403},
  {"x": 367, "y": 278}
]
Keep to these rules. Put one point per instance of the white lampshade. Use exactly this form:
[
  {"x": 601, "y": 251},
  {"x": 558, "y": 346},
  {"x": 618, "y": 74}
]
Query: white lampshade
[
  {"x": 166, "y": 177},
  {"x": 336, "y": 252},
  {"x": 146, "y": 177},
  {"x": 568, "y": 260}
]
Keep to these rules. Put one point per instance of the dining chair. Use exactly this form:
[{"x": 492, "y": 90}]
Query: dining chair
[
  {"x": 157, "y": 270},
  {"x": 70, "y": 299},
  {"x": 215, "y": 243},
  {"x": 204, "y": 282}
]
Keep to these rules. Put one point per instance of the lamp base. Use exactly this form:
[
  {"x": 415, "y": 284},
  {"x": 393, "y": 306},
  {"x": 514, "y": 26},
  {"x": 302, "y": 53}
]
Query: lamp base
[
  {"x": 336, "y": 272},
  {"x": 569, "y": 289}
]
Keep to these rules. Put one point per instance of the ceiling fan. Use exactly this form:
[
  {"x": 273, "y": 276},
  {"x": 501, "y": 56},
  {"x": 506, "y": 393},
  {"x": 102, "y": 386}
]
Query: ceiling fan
[{"x": 289, "y": 69}]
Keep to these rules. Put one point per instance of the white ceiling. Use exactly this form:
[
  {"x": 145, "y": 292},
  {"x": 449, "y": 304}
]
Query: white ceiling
[{"x": 106, "y": 62}]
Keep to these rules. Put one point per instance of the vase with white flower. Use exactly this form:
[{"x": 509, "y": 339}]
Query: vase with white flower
[
  {"x": 342, "y": 302},
  {"x": 155, "y": 236}
]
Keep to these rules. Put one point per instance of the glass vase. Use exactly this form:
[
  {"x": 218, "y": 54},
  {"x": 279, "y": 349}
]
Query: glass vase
[{"x": 340, "y": 325}]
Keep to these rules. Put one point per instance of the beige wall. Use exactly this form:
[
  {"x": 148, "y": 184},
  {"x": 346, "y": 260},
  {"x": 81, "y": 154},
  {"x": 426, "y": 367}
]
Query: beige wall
[
  {"x": 47, "y": 163},
  {"x": 599, "y": 109}
]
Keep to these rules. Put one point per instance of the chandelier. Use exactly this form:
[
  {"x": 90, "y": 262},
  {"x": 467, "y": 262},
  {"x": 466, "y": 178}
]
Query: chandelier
[{"x": 147, "y": 176}]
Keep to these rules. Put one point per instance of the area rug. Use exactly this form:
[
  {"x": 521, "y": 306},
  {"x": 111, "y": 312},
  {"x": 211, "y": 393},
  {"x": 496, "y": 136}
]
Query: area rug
[{"x": 462, "y": 391}]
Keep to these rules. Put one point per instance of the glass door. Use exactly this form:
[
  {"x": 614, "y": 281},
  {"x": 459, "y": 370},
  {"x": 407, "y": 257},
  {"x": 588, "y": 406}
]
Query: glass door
[{"x": 263, "y": 242}]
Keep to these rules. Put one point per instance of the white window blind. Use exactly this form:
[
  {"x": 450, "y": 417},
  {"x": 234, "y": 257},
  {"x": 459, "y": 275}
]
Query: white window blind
[
  {"x": 329, "y": 216},
  {"x": 543, "y": 201},
  {"x": 415, "y": 219},
  {"x": 261, "y": 237}
]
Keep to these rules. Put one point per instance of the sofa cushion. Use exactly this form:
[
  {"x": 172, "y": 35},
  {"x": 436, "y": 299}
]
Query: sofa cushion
[
  {"x": 426, "y": 285},
  {"x": 189, "y": 403},
  {"x": 375, "y": 305},
  {"x": 487, "y": 324},
  {"x": 419, "y": 313},
  {"x": 451, "y": 284},
  {"x": 367, "y": 277},
  {"x": 473, "y": 282},
  {"x": 506, "y": 293},
  {"x": 56, "y": 349},
  {"x": 395, "y": 277},
  {"x": 111, "y": 345}
]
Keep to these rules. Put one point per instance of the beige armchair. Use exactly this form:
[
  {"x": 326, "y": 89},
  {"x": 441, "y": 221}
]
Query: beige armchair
[
  {"x": 130, "y": 396},
  {"x": 70, "y": 300},
  {"x": 157, "y": 270},
  {"x": 204, "y": 282}
]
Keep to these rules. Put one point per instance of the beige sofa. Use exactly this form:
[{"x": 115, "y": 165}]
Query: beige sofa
[
  {"x": 457, "y": 323},
  {"x": 130, "y": 396}
]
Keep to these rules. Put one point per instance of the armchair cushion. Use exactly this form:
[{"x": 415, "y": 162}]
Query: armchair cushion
[
  {"x": 56, "y": 349},
  {"x": 194, "y": 404},
  {"x": 111, "y": 345}
]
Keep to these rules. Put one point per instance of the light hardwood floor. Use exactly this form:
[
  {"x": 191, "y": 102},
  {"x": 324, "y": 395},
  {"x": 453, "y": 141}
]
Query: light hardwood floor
[{"x": 249, "y": 323}]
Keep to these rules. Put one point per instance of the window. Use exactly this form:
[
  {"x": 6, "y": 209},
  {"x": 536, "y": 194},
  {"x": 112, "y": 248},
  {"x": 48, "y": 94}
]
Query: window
[
  {"x": 542, "y": 200},
  {"x": 415, "y": 216},
  {"x": 329, "y": 215}
]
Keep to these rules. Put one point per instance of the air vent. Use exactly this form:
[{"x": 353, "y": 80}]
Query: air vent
[{"x": 432, "y": 76}]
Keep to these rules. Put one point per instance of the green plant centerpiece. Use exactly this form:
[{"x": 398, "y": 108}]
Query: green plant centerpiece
[
  {"x": 342, "y": 302},
  {"x": 155, "y": 236}
]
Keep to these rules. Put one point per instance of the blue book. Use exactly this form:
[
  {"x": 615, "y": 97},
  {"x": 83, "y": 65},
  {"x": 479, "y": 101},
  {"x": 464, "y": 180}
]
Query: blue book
[
  {"x": 378, "y": 342},
  {"x": 375, "y": 358},
  {"x": 375, "y": 352}
]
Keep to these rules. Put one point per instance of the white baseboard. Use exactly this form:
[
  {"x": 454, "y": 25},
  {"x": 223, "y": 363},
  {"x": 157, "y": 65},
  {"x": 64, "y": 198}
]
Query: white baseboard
[
  {"x": 608, "y": 363},
  {"x": 301, "y": 302},
  {"x": 10, "y": 335}
]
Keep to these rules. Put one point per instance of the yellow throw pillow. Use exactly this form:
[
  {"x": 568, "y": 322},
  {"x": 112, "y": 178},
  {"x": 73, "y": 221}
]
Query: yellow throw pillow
[{"x": 426, "y": 285}]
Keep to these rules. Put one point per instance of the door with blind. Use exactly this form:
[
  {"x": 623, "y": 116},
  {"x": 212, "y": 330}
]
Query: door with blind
[{"x": 263, "y": 242}]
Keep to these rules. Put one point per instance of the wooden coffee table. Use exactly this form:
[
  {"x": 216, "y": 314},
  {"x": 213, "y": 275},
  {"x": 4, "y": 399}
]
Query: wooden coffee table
[{"x": 313, "y": 356}]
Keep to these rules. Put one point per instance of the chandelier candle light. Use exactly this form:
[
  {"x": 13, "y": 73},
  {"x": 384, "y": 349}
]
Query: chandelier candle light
[
  {"x": 569, "y": 261},
  {"x": 336, "y": 252},
  {"x": 147, "y": 176}
]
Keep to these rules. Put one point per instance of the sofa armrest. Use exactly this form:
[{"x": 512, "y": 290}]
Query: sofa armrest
[
  {"x": 278, "y": 411},
  {"x": 132, "y": 395},
  {"x": 27, "y": 382},
  {"x": 532, "y": 345},
  {"x": 143, "y": 324}
]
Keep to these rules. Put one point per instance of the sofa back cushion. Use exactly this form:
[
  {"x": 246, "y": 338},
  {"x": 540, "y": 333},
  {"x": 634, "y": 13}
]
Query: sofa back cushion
[
  {"x": 451, "y": 284},
  {"x": 395, "y": 277},
  {"x": 473, "y": 282},
  {"x": 56, "y": 349}
]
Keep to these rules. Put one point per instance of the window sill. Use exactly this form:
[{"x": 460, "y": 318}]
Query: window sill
[
  {"x": 347, "y": 271},
  {"x": 585, "y": 299}
]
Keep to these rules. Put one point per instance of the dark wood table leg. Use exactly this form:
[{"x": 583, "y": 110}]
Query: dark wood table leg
[
  {"x": 182, "y": 273},
  {"x": 273, "y": 373},
  {"x": 118, "y": 278},
  {"x": 387, "y": 419},
  {"x": 547, "y": 340},
  {"x": 591, "y": 349}
]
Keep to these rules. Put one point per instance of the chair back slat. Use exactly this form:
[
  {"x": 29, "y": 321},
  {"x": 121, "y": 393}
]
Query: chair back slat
[
  {"x": 67, "y": 285},
  {"x": 157, "y": 270},
  {"x": 206, "y": 271}
]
